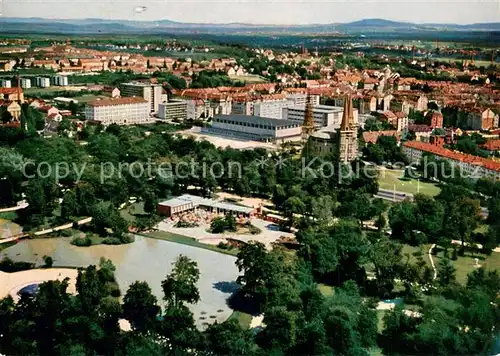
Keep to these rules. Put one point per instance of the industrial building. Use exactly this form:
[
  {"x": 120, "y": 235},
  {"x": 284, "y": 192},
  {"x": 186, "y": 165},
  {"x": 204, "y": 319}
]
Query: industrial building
[
  {"x": 152, "y": 93},
  {"x": 256, "y": 128}
]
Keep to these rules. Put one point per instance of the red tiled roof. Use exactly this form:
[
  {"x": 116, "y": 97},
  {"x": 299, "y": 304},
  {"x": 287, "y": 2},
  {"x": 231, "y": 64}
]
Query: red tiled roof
[
  {"x": 9, "y": 91},
  {"x": 453, "y": 155},
  {"x": 372, "y": 136},
  {"x": 419, "y": 128},
  {"x": 117, "y": 101},
  {"x": 492, "y": 145}
]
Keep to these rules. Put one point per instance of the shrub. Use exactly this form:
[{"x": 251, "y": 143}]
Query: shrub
[
  {"x": 112, "y": 241},
  {"x": 113, "y": 290},
  {"x": 218, "y": 225},
  {"x": 224, "y": 246},
  {"x": 48, "y": 261},
  {"x": 82, "y": 241},
  {"x": 254, "y": 230},
  {"x": 66, "y": 233},
  {"x": 184, "y": 224},
  {"x": 7, "y": 265}
]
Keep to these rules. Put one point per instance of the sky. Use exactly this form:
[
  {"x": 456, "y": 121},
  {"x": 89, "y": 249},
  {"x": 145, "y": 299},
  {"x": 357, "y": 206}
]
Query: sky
[{"x": 261, "y": 11}]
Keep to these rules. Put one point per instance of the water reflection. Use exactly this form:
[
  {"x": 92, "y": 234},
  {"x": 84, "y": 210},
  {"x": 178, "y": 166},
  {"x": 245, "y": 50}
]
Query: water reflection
[{"x": 144, "y": 260}]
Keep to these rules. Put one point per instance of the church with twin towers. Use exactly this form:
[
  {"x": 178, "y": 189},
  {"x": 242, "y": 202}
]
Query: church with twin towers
[{"x": 341, "y": 142}]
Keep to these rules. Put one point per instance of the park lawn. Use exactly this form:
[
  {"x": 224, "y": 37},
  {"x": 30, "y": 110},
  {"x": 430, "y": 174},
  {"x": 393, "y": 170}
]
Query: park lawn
[
  {"x": 466, "y": 264},
  {"x": 10, "y": 215},
  {"x": 243, "y": 319},
  {"x": 326, "y": 290},
  {"x": 482, "y": 229},
  {"x": 390, "y": 179},
  {"x": 380, "y": 322},
  {"x": 185, "y": 240},
  {"x": 130, "y": 211},
  {"x": 411, "y": 250},
  {"x": 38, "y": 91}
]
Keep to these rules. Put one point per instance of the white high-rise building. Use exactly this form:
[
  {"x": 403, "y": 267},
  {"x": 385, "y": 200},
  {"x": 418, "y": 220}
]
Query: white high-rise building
[
  {"x": 42, "y": 82},
  {"x": 5, "y": 83},
  {"x": 61, "y": 80},
  {"x": 25, "y": 83},
  {"x": 323, "y": 115},
  {"x": 120, "y": 111},
  {"x": 150, "y": 92}
]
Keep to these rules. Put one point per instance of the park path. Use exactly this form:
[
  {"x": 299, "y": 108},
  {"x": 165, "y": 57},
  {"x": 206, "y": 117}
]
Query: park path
[
  {"x": 47, "y": 231},
  {"x": 433, "y": 246},
  {"x": 14, "y": 208}
]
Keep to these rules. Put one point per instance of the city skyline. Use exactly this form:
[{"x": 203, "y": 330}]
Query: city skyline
[{"x": 257, "y": 11}]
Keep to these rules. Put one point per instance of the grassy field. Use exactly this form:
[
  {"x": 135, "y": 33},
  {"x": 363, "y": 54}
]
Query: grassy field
[
  {"x": 249, "y": 78},
  {"x": 243, "y": 319},
  {"x": 88, "y": 97},
  {"x": 185, "y": 240},
  {"x": 466, "y": 264},
  {"x": 391, "y": 179},
  {"x": 326, "y": 290},
  {"x": 10, "y": 215},
  {"x": 129, "y": 212}
]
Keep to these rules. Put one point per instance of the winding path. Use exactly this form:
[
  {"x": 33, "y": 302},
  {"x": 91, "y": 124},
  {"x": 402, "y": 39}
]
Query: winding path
[{"x": 432, "y": 261}]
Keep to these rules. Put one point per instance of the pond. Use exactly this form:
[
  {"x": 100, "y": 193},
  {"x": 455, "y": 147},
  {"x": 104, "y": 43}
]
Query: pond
[{"x": 147, "y": 260}]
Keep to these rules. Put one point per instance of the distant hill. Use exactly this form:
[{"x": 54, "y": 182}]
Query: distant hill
[{"x": 92, "y": 25}]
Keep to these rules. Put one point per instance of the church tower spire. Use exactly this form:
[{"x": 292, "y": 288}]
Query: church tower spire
[
  {"x": 348, "y": 133},
  {"x": 308, "y": 124}
]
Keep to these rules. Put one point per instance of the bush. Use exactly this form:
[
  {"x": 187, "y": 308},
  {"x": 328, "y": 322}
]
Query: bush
[
  {"x": 184, "y": 224},
  {"x": 254, "y": 230},
  {"x": 113, "y": 289},
  {"x": 82, "y": 241},
  {"x": 225, "y": 246},
  {"x": 112, "y": 241},
  {"x": 66, "y": 233},
  {"x": 9, "y": 266},
  {"x": 218, "y": 225},
  {"x": 48, "y": 261}
]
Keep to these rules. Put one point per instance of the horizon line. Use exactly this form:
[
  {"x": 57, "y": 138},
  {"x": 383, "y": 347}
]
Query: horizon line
[{"x": 55, "y": 19}]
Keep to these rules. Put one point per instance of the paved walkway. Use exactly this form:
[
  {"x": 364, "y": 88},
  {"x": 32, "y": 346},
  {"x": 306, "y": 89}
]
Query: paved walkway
[
  {"x": 12, "y": 283},
  {"x": 270, "y": 233}
]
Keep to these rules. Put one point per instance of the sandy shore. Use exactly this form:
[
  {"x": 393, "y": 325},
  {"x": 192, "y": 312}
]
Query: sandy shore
[{"x": 11, "y": 283}]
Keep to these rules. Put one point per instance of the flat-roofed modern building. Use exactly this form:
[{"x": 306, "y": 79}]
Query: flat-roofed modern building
[
  {"x": 150, "y": 92},
  {"x": 120, "y": 111},
  {"x": 189, "y": 202},
  {"x": 42, "y": 82},
  {"x": 323, "y": 115},
  {"x": 256, "y": 128},
  {"x": 61, "y": 80},
  {"x": 173, "y": 110}
]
